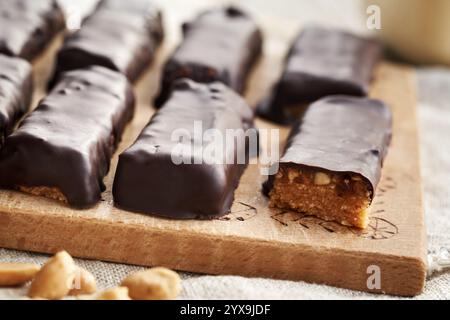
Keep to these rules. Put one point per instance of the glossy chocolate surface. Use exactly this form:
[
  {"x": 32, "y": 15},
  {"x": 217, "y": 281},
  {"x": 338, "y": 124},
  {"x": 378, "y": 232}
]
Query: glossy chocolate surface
[
  {"x": 148, "y": 180},
  {"x": 68, "y": 141},
  {"x": 322, "y": 62},
  {"x": 219, "y": 45},
  {"x": 342, "y": 134},
  {"x": 16, "y": 90},
  {"x": 28, "y": 26},
  {"x": 120, "y": 35}
]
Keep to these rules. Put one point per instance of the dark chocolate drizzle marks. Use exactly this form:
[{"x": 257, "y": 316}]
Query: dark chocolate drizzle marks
[
  {"x": 378, "y": 229},
  {"x": 240, "y": 211}
]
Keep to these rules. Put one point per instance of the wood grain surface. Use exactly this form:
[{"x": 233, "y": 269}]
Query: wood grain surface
[{"x": 253, "y": 240}]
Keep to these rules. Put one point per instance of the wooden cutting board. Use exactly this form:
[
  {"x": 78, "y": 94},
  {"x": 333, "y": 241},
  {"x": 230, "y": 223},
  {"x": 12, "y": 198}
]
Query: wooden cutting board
[{"x": 253, "y": 240}]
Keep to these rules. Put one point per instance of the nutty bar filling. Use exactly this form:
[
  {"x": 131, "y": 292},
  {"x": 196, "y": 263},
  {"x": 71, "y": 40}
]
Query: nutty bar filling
[
  {"x": 51, "y": 193},
  {"x": 332, "y": 196}
]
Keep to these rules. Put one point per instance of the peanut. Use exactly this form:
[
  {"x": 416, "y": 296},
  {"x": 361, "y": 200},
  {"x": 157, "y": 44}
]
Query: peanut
[
  {"x": 117, "y": 293},
  {"x": 321, "y": 179},
  {"x": 153, "y": 284},
  {"x": 292, "y": 174},
  {"x": 55, "y": 279},
  {"x": 14, "y": 274},
  {"x": 84, "y": 283}
]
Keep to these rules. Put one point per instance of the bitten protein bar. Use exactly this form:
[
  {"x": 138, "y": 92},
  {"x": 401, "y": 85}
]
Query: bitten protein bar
[
  {"x": 62, "y": 150},
  {"x": 322, "y": 62},
  {"x": 16, "y": 89},
  {"x": 27, "y": 27},
  {"x": 186, "y": 175},
  {"x": 333, "y": 159},
  {"x": 219, "y": 45},
  {"x": 120, "y": 35}
]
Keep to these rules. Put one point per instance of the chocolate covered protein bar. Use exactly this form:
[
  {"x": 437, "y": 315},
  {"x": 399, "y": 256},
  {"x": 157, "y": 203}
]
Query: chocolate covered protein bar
[
  {"x": 62, "y": 150},
  {"x": 219, "y": 45},
  {"x": 28, "y": 26},
  {"x": 177, "y": 168},
  {"x": 322, "y": 62},
  {"x": 120, "y": 35},
  {"x": 16, "y": 90},
  {"x": 333, "y": 159}
]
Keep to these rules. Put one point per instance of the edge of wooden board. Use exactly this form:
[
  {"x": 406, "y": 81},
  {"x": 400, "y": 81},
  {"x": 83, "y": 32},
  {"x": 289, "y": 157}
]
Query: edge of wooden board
[{"x": 193, "y": 252}]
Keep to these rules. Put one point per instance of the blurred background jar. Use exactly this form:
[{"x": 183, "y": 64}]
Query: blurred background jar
[{"x": 416, "y": 30}]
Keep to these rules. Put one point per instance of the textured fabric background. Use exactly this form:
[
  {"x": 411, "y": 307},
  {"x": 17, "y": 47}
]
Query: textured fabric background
[{"x": 434, "y": 119}]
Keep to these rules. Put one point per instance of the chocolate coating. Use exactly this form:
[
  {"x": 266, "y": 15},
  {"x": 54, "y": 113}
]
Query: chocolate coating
[
  {"x": 322, "y": 62},
  {"x": 27, "y": 27},
  {"x": 147, "y": 179},
  {"x": 16, "y": 90},
  {"x": 120, "y": 35},
  {"x": 219, "y": 45},
  {"x": 68, "y": 141},
  {"x": 342, "y": 134}
]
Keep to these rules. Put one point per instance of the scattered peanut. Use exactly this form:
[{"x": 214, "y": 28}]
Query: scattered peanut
[
  {"x": 60, "y": 277},
  {"x": 321, "y": 179},
  {"x": 14, "y": 274},
  {"x": 117, "y": 293},
  {"x": 153, "y": 284},
  {"x": 55, "y": 279},
  {"x": 84, "y": 283}
]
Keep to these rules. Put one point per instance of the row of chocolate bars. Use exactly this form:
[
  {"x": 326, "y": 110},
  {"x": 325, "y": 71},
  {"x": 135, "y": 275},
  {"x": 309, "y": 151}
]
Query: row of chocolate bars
[{"x": 63, "y": 149}]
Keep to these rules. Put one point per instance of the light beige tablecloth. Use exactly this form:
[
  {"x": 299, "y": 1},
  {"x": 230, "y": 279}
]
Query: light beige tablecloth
[{"x": 434, "y": 117}]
